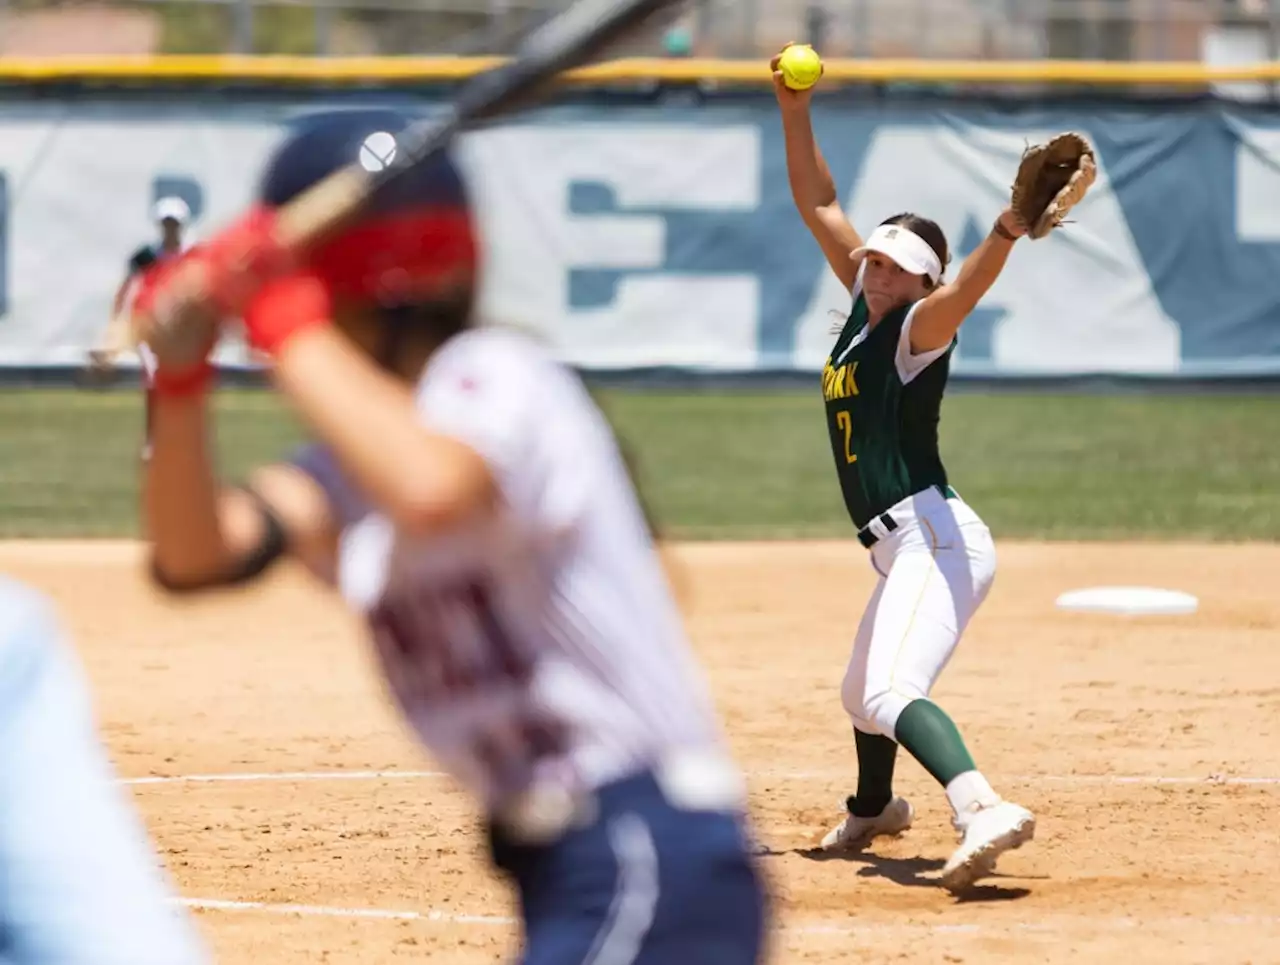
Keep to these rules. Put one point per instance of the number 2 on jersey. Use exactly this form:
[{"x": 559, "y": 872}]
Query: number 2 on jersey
[{"x": 845, "y": 423}]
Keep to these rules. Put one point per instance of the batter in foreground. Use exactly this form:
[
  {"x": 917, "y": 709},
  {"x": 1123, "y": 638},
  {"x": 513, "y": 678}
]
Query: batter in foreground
[
  {"x": 882, "y": 386},
  {"x": 465, "y": 496}
]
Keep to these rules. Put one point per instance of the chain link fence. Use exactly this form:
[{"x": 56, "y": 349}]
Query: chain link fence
[{"x": 968, "y": 29}]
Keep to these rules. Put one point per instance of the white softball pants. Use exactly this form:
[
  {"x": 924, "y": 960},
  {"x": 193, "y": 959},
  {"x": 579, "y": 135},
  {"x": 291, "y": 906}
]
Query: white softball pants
[
  {"x": 935, "y": 570},
  {"x": 79, "y": 882}
]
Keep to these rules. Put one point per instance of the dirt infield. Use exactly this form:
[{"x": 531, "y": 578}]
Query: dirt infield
[{"x": 1147, "y": 747}]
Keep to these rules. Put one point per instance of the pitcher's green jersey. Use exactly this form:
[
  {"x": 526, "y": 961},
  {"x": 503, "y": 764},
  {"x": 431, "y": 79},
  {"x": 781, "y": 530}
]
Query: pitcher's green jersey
[{"x": 884, "y": 431}]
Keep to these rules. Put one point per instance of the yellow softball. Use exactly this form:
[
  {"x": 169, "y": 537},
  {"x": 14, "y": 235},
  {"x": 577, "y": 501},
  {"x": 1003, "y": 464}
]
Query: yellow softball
[{"x": 801, "y": 66}]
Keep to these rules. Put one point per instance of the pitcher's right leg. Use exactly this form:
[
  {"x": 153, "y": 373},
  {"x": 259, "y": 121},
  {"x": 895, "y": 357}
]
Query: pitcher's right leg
[{"x": 934, "y": 585}]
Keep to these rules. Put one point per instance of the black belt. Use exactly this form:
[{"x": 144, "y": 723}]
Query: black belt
[{"x": 869, "y": 539}]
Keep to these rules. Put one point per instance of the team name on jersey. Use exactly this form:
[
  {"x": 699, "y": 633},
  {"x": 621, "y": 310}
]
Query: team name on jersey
[{"x": 839, "y": 383}]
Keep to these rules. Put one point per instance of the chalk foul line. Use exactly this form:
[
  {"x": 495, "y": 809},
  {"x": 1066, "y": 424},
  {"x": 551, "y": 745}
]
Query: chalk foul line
[
  {"x": 287, "y": 776},
  {"x": 848, "y": 926},
  {"x": 325, "y": 911},
  {"x": 397, "y": 775}
]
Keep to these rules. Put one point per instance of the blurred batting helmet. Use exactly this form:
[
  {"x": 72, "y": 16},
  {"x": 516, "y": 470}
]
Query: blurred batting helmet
[{"x": 415, "y": 242}]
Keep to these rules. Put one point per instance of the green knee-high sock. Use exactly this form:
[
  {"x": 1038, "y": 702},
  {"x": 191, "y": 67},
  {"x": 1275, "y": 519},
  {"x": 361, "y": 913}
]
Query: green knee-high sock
[
  {"x": 876, "y": 756},
  {"x": 931, "y": 737}
]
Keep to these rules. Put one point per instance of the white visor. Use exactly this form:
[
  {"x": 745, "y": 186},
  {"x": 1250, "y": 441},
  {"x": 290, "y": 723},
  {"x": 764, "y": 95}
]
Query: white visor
[
  {"x": 171, "y": 209},
  {"x": 906, "y": 248}
]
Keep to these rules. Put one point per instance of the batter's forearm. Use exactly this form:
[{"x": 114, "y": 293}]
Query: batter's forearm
[{"x": 182, "y": 499}]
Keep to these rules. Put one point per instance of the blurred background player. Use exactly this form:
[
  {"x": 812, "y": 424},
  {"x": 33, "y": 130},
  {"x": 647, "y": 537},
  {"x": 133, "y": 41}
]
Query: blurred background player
[
  {"x": 468, "y": 498},
  {"x": 82, "y": 886},
  {"x": 171, "y": 215},
  {"x": 883, "y": 386}
]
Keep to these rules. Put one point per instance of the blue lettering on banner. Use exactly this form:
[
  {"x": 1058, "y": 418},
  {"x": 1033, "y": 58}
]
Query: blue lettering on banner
[
  {"x": 769, "y": 241},
  {"x": 703, "y": 243}
]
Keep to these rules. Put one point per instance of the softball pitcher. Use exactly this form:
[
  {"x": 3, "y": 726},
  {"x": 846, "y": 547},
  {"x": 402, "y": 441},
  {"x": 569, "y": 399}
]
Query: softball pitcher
[
  {"x": 467, "y": 498},
  {"x": 882, "y": 386}
]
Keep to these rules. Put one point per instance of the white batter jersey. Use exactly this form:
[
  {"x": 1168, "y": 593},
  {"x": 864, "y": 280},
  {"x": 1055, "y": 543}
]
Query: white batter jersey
[{"x": 543, "y": 645}]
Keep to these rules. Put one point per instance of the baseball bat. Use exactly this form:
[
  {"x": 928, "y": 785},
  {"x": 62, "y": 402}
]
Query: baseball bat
[{"x": 566, "y": 41}]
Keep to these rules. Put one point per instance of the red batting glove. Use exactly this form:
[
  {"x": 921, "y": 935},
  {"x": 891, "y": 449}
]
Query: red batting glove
[
  {"x": 243, "y": 258},
  {"x": 181, "y": 348},
  {"x": 183, "y": 383},
  {"x": 284, "y": 308}
]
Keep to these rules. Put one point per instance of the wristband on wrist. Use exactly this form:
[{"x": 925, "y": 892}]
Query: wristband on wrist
[
  {"x": 1004, "y": 232},
  {"x": 183, "y": 383}
]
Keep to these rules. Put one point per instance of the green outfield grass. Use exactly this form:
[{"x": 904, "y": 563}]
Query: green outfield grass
[{"x": 754, "y": 464}]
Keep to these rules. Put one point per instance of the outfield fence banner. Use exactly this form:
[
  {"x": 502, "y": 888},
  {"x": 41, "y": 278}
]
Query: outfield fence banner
[{"x": 638, "y": 236}]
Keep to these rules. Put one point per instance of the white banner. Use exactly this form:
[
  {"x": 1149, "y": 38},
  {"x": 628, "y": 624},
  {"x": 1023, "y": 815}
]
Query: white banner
[
  {"x": 646, "y": 236},
  {"x": 80, "y": 191}
]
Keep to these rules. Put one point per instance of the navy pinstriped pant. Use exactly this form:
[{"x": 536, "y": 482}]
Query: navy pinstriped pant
[{"x": 645, "y": 884}]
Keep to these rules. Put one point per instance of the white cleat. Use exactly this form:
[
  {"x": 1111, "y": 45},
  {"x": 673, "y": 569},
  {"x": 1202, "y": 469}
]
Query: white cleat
[
  {"x": 854, "y": 834},
  {"x": 986, "y": 833}
]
